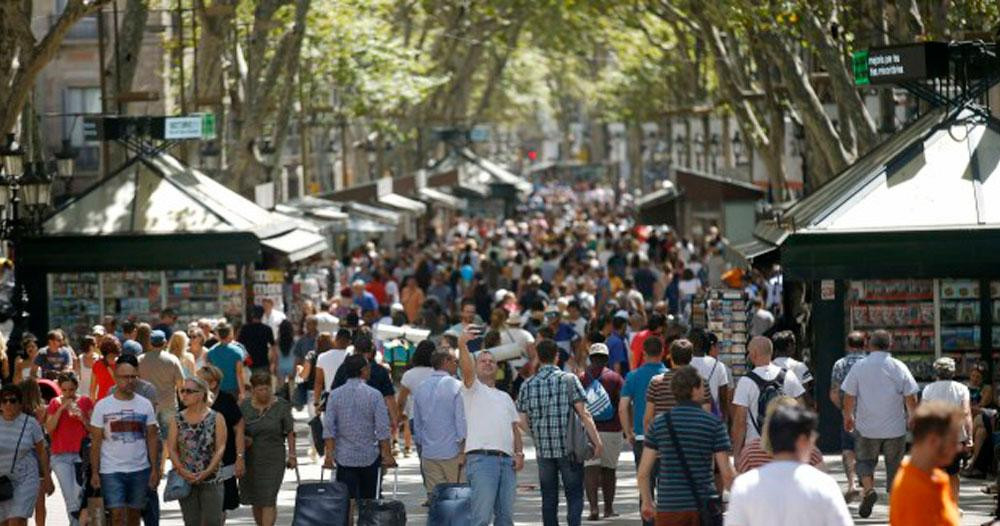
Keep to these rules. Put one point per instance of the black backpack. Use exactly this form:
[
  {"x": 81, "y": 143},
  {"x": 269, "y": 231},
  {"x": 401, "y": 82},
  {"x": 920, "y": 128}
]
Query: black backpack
[{"x": 766, "y": 391}]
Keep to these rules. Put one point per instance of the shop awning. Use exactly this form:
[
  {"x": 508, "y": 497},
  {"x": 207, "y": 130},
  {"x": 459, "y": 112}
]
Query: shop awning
[
  {"x": 76, "y": 253},
  {"x": 403, "y": 203},
  {"x": 497, "y": 172},
  {"x": 744, "y": 254},
  {"x": 659, "y": 207},
  {"x": 374, "y": 212},
  {"x": 442, "y": 198},
  {"x": 297, "y": 244}
]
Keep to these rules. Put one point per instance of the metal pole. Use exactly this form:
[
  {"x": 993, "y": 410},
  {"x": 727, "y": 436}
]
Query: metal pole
[
  {"x": 118, "y": 65},
  {"x": 105, "y": 147},
  {"x": 180, "y": 54},
  {"x": 303, "y": 137}
]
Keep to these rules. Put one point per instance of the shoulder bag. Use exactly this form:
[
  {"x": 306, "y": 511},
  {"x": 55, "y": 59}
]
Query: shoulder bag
[
  {"x": 578, "y": 445},
  {"x": 710, "y": 512},
  {"x": 6, "y": 481}
]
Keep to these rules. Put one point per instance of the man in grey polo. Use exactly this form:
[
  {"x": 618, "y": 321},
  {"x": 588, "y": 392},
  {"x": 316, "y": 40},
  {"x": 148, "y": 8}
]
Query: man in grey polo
[{"x": 880, "y": 396}]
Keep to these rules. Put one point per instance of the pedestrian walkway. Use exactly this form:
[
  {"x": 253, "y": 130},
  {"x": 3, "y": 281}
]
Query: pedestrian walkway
[{"x": 528, "y": 503}]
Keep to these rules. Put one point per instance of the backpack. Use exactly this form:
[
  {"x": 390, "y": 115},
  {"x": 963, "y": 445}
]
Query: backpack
[
  {"x": 767, "y": 391},
  {"x": 598, "y": 401}
]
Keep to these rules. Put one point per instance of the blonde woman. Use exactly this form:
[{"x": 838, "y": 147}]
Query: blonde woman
[
  {"x": 758, "y": 451},
  {"x": 177, "y": 346},
  {"x": 197, "y": 441}
]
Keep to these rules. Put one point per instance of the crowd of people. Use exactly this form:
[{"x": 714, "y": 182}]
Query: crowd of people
[{"x": 572, "y": 327}]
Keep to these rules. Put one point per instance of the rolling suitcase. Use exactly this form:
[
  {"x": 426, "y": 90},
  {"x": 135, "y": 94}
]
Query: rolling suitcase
[
  {"x": 321, "y": 503},
  {"x": 382, "y": 512},
  {"x": 450, "y": 505}
]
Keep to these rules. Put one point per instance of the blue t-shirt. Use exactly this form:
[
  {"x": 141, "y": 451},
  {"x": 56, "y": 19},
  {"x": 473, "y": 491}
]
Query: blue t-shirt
[
  {"x": 225, "y": 357},
  {"x": 564, "y": 338},
  {"x": 366, "y": 301},
  {"x": 635, "y": 388},
  {"x": 617, "y": 352},
  {"x": 57, "y": 362}
]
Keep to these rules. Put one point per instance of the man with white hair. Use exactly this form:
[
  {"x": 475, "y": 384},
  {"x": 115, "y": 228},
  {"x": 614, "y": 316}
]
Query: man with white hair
[
  {"x": 493, "y": 448},
  {"x": 362, "y": 298},
  {"x": 956, "y": 394}
]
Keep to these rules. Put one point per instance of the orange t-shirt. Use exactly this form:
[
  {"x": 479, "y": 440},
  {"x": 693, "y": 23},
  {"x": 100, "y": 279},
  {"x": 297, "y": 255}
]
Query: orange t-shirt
[{"x": 921, "y": 499}]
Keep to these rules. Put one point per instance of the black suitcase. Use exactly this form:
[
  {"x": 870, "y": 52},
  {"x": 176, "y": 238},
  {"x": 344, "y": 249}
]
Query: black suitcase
[
  {"x": 382, "y": 512},
  {"x": 321, "y": 503},
  {"x": 451, "y": 505}
]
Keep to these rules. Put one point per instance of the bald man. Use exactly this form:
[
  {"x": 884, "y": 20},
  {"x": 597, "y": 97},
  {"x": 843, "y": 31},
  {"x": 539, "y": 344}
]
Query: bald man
[{"x": 754, "y": 390}]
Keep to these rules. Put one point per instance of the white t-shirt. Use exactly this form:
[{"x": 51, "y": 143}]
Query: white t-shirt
[
  {"x": 747, "y": 392},
  {"x": 326, "y": 322},
  {"x": 688, "y": 287},
  {"x": 412, "y": 379},
  {"x": 124, "y": 422},
  {"x": 706, "y": 365},
  {"x": 800, "y": 369},
  {"x": 329, "y": 362},
  {"x": 273, "y": 320},
  {"x": 948, "y": 391},
  {"x": 880, "y": 383},
  {"x": 786, "y": 493},
  {"x": 489, "y": 413}
]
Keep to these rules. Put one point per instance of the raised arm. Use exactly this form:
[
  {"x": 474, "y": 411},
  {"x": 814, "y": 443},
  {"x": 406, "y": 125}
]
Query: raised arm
[{"x": 465, "y": 362}]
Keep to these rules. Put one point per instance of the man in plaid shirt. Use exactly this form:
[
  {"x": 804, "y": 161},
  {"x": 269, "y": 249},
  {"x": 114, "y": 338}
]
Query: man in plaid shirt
[{"x": 544, "y": 403}]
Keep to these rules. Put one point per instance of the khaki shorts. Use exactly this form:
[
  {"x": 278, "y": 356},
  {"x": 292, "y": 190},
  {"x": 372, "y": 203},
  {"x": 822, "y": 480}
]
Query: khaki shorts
[{"x": 612, "y": 441}]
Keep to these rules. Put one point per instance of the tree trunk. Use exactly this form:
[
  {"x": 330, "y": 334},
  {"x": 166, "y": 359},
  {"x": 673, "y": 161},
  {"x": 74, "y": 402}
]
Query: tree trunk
[
  {"x": 18, "y": 43},
  {"x": 806, "y": 102}
]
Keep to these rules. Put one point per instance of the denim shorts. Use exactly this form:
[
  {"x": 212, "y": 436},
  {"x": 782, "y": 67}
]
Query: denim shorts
[{"x": 125, "y": 490}]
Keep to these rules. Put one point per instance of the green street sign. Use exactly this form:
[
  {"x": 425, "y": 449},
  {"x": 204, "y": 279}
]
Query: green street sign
[
  {"x": 860, "y": 63},
  {"x": 208, "y": 126}
]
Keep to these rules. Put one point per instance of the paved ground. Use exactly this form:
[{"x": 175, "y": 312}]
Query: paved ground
[{"x": 977, "y": 506}]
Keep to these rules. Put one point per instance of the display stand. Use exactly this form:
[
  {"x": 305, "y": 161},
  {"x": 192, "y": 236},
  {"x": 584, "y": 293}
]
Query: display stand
[{"x": 726, "y": 313}]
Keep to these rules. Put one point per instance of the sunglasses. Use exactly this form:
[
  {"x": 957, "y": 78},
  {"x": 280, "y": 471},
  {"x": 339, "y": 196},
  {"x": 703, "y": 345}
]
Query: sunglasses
[
  {"x": 9, "y": 400},
  {"x": 190, "y": 391}
]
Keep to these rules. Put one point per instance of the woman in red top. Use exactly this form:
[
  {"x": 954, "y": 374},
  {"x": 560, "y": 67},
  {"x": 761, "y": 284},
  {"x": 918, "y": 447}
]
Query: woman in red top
[
  {"x": 104, "y": 377},
  {"x": 66, "y": 420}
]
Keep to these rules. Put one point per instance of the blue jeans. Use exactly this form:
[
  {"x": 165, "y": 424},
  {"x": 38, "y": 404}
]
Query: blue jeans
[
  {"x": 493, "y": 483},
  {"x": 65, "y": 466},
  {"x": 125, "y": 490},
  {"x": 549, "y": 471}
]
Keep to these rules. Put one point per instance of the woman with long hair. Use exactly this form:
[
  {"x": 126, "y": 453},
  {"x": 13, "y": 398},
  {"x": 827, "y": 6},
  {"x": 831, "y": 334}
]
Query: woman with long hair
[
  {"x": 25, "y": 358},
  {"x": 20, "y": 435},
  {"x": 177, "y": 346},
  {"x": 268, "y": 426},
  {"x": 196, "y": 441},
  {"x": 66, "y": 423},
  {"x": 33, "y": 405},
  {"x": 420, "y": 369},
  {"x": 286, "y": 360},
  {"x": 233, "y": 465},
  {"x": 196, "y": 346},
  {"x": 89, "y": 355},
  {"x": 104, "y": 377}
]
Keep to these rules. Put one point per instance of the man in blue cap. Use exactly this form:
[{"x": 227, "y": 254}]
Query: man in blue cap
[{"x": 162, "y": 369}]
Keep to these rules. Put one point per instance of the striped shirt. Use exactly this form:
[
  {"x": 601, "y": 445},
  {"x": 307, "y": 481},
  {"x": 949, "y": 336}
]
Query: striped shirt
[
  {"x": 547, "y": 398},
  {"x": 753, "y": 456},
  {"x": 659, "y": 393},
  {"x": 701, "y": 435}
]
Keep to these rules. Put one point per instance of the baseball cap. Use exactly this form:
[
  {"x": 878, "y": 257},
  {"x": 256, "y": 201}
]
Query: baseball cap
[
  {"x": 157, "y": 338},
  {"x": 131, "y": 347},
  {"x": 599, "y": 348},
  {"x": 396, "y": 307},
  {"x": 622, "y": 314},
  {"x": 98, "y": 330}
]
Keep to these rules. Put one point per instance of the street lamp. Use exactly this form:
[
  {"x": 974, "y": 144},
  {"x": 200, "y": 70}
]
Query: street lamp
[
  {"x": 267, "y": 152},
  {"x": 65, "y": 159},
  {"x": 210, "y": 156},
  {"x": 13, "y": 156}
]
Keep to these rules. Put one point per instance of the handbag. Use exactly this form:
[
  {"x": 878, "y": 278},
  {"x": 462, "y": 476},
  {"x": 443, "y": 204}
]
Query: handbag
[
  {"x": 598, "y": 401},
  {"x": 177, "y": 488},
  {"x": 6, "y": 482},
  {"x": 577, "y": 442},
  {"x": 710, "y": 511}
]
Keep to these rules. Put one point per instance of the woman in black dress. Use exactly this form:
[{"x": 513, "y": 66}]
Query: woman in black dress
[{"x": 232, "y": 460}]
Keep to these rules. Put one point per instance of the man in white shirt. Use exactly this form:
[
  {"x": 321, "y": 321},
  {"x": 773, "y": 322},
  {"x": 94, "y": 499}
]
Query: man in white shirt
[
  {"x": 788, "y": 491},
  {"x": 493, "y": 448},
  {"x": 762, "y": 319},
  {"x": 712, "y": 371},
  {"x": 784, "y": 349},
  {"x": 883, "y": 391},
  {"x": 956, "y": 394},
  {"x": 325, "y": 321},
  {"x": 272, "y": 317},
  {"x": 756, "y": 389},
  {"x": 329, "y": 361}
]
